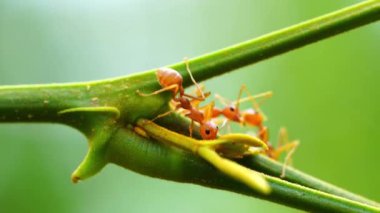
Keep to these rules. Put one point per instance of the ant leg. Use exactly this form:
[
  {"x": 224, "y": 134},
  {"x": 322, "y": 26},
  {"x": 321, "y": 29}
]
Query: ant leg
[
  {"x": 196, "y": 98},
  {"x": 263, "y": 134},
  {"x": 195, "y": 102},
  {"x": 285, "y": 146},
  {"x": 256, "y": 105},
  {"x": 198, "y": 91},
  {"x": 292, "y": 146},
  {"x": 192, "y": 78},
  {"x": 239, "y": 96},
  {"x": 263, "y": 95},
  {"x": 163, "y": 114},
  {"x": 221, "y": 99},
  {"x": 171, "y": 87},
  {"x": 200, "y": 95},
  {"x": 283, "y": 137},
  {"x": 191, "y": 128}
]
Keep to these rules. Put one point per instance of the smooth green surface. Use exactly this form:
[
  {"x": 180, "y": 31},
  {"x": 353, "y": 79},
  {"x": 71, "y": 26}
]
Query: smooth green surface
[
  {"x": 326, "y": 94},
  {"x": 183, "y": 166}
]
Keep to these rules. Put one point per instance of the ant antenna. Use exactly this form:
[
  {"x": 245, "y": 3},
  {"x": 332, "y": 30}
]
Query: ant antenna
[
  {"x": 264, "y": 95},
  {"x": 221, "y": 99},
  {"x": 192, "y": 78},
  {"x": 256, "y": 106},
  {"x": 239, "y": 96}
]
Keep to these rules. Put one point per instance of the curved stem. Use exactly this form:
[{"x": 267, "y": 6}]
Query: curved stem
[
  {"x": 268, "y": 166},
  {"x": 157, "y": 159},
  {"x": 281, "y": 41},
  {"x": 117, "y": 97}
]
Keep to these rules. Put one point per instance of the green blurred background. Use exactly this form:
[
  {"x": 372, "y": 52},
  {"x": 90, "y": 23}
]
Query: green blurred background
[{"x": 326, "y": 94}]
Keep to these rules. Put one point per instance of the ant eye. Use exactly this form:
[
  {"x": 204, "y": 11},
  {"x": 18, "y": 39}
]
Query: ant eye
[
  {"x": 207, "y": 131},
  {"x": 232, "y": 108},
  {"x": 217, "y": 127}
]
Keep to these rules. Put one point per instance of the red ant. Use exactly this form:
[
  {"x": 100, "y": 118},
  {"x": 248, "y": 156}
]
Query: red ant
[
  {"x": 255, "y": 117},
  {"x": 171, "y": 80}
]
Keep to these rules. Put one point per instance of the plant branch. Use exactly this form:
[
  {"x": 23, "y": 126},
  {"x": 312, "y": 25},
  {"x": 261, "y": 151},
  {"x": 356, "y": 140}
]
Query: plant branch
[
  {"x": 268, "y": 166},
  {"x": 273, "y": 168},
  {"x": 281, "y": 41},
  {"x": 107, "y": 111},
  {"x": 160, "y": 160}
]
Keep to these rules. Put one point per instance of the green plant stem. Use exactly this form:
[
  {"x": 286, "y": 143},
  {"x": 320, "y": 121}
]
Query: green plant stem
[
  {"x": 268, "y": 166},
  {"x": 157, "y": 159},
  {"x": 281, "y": 41},
  {"x": 42, "y": 103},
  {"x": 106, "y": 110},
  {"x": 28, "y": 103}
]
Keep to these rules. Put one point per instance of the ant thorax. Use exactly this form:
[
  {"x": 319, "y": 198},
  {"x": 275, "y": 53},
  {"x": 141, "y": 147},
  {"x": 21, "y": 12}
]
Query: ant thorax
[{"x": 184, "y": 103}]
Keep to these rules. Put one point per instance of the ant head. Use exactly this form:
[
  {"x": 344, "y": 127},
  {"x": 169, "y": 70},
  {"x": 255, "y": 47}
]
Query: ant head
[
  {"x": 209, "y": 130},
  {"x": 232, "y": 113}
]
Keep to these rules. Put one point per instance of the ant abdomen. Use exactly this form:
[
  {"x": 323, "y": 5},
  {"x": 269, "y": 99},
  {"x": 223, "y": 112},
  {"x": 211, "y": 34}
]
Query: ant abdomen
[
  {"x": 168, "y": 77},
  {"x": 252, "y": 117}
]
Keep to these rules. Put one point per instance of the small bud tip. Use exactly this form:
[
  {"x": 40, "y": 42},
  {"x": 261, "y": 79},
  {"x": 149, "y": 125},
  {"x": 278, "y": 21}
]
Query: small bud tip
[{"x": 75, "y": 179}]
